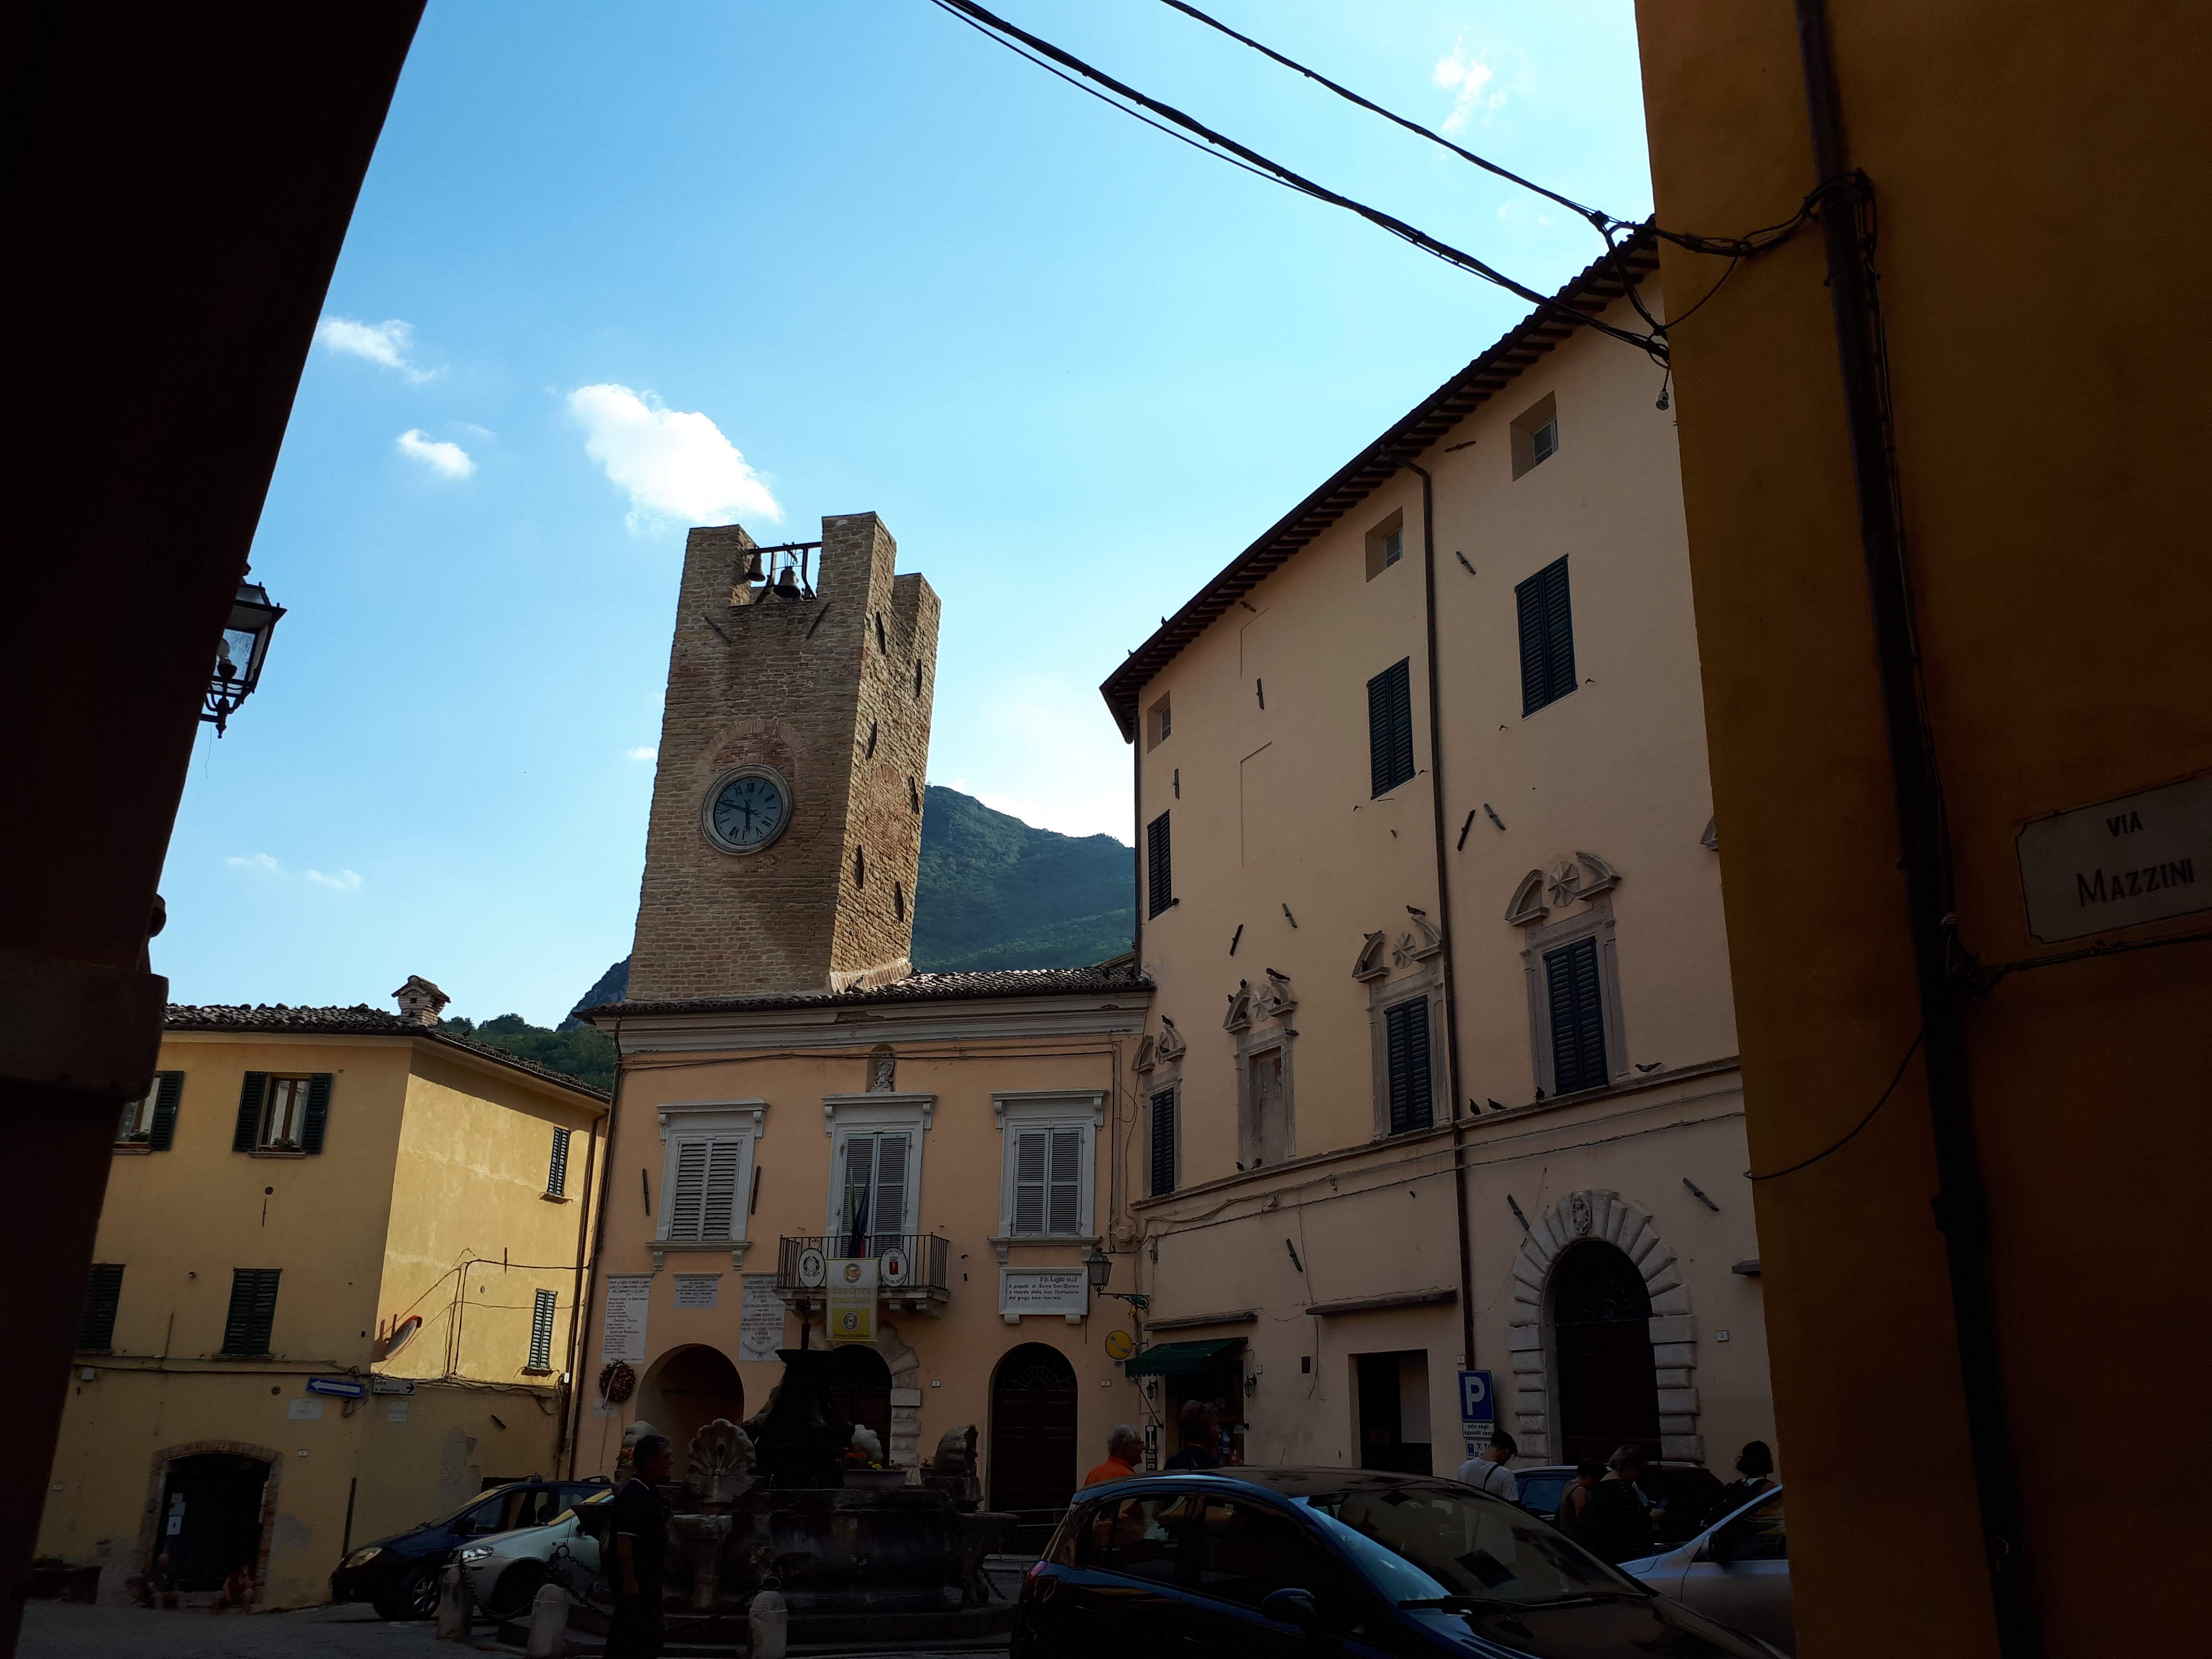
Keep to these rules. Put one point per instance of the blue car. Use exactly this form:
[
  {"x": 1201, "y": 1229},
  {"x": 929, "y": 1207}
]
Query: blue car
[
  {"x": 1252, "y": 1564},
  {"x": 399, "y": 1574}
]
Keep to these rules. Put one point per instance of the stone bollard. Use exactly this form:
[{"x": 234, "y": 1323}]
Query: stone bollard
[
  {"x": 453, "y": 1600},
  {"x": 767, "y": 1623},
  {"x": 549, "y": 1624}
]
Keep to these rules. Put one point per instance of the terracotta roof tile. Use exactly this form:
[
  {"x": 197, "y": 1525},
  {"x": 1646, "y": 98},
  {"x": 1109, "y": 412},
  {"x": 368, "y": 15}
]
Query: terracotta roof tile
[
  {"x": 359, "y": 1020},
  {"x": 1101, "y": 980}
]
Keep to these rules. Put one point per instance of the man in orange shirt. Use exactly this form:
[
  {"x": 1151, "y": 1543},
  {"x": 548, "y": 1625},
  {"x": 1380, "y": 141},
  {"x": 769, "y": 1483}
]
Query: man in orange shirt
[{"x": 1124, "y": 1446}]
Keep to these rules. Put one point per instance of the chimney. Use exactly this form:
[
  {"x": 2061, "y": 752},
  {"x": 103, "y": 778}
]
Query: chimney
[{"x": 421, "y": 1001}]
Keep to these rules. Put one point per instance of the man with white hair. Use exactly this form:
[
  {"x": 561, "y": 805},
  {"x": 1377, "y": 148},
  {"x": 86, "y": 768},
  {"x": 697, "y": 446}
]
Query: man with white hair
[{"x": 1124, "y": 1446}]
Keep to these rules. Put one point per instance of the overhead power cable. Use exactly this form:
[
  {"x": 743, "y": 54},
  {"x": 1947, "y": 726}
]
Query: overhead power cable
[{"x": 1228, "y": 150}]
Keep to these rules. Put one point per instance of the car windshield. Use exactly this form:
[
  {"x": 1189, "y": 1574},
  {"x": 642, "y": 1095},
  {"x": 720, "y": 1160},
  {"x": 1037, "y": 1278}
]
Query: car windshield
[
  {"x": 1428, "y": 1542},
  {"x": 606, "y": 1496}
]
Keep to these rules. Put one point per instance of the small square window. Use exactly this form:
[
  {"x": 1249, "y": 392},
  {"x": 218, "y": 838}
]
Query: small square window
[
  {"x": 1385, "y": 544},
  {"x": 1535, "y": 434}
]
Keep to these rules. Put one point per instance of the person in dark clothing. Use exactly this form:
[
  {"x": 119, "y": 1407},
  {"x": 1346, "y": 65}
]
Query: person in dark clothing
[
  {"x": 1755, "y": 1464},
  {"x": 1615, "y": 1525},
  {"x": 1576, "y": 1498},
  {"x": 1200, "y": 1428},
  {"x": 641, "y": 1552}
]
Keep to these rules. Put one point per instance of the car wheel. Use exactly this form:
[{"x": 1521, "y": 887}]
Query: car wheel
[
  {"x": 517, "y": 1589},
  {"x": 415, "y": 1597}
]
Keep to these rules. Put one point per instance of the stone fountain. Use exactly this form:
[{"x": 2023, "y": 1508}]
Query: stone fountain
[{"x": 879, "y": 1562}]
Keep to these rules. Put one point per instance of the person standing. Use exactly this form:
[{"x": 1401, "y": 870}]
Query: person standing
[
  {"x": 641, "y": 1539},
  {"x": 1200, "y": 1424},
  {"x": 1124, "y": 1446},
  {"x": 1576, "y": 1498},
  {"x": 1486, "y": 1471},
  {"x": 1754, "y": 1465},
  {"x": 1616, "y": 1524}
]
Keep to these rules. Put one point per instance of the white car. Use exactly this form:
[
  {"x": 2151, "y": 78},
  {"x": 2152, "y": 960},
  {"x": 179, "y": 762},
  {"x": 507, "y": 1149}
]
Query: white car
[
  {"x": 1737, "y": 1571},
  {"x": 505, "y": 1569}
]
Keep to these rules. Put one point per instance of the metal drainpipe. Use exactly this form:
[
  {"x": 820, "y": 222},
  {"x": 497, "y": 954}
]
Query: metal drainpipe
[
  {"x": 1443, "y": 912},
  {"x": 576, "y": 1294},
  {"x": 580, "y": 1336},
  {"x": 1961, "y": 1201}
]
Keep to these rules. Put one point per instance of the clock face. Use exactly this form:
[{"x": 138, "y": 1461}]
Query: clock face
[{"x": 748, "y": 809}]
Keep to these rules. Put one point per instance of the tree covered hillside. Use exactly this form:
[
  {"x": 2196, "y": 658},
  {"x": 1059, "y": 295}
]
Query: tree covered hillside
[{"x": 995, "y": 892}]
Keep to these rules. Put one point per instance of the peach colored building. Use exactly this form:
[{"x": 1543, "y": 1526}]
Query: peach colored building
[{"x": 1441, "y": 1067}]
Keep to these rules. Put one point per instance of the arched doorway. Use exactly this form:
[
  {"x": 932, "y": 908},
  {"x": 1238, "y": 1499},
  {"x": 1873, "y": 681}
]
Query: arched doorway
[
  {"x": 686, "y": 1388},
  {"x": 210, "y": 1516},
  {"x": 1033, "y": 1452},
  {"x": 860, "y": 1385},
  {"x": 1601, "y": 1334}
]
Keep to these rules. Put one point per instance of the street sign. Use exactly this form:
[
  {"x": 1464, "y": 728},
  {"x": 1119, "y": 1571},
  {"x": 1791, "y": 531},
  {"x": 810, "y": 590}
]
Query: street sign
[
  {"x": 1118, "y": 1346},
  {"x": 1478, "y": 1406},
  {"x": 345, "y": 1387}
]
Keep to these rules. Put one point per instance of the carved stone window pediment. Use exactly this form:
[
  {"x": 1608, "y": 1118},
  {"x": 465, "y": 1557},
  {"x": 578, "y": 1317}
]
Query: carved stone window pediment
[
  {"x": 1146, "y": 1055},
  {"x": 1239, "y": 1016},
  {"x": 1170, "y": 1048},
  {"x": 1275, "y": 999},
  {"x": 1371, "y": 964},
  {"x": 1424, "y": 942},
  {"x": 1527, "y": 904}
]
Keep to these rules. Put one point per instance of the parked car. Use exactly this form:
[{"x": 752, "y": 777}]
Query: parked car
[
  {"x": 1251, "y": 1563},
  {"x": 399, "y": 1574},
  {"x": 505, "y": 1569},
  {"x": 1689, "y": 1491},
  {"x": 1737, "y": 1571}
]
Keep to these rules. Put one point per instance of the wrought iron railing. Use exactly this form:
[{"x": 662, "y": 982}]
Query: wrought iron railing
[{"x": 908, "y": 1265}]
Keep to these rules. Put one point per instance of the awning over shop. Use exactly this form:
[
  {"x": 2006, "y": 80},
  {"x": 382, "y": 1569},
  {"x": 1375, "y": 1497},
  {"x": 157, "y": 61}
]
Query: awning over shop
[{"x": 1177, "y": 1359}]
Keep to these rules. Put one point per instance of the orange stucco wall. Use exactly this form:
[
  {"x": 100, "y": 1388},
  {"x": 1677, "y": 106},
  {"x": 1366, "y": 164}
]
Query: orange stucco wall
[{"x": 2048, "y": 417}]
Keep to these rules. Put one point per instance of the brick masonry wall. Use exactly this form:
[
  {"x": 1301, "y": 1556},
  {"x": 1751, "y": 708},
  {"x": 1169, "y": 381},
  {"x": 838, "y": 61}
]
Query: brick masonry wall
[{"x": 798, "y": 685}]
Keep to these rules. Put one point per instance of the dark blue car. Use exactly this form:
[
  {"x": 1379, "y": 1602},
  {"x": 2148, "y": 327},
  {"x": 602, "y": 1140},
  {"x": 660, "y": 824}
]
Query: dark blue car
[
  {"x": 399, "y": 1574},
  {"x": 1251, "y": 1563}
]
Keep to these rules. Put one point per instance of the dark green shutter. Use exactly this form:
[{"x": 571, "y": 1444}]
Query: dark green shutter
[
  {"x": 1570, "y": 984},
  {"x": 169, "y": 1089},
  {"x": 1390, "y": 728},
  {"x": 252, "y": 1316},
  {"x": 103, "y": 1294},
  {"x": 1547, "y": 637},
  {"x": 319, "y": 1112},
  {"x": 1163, "y": 1143},
  {"x": 250, "y": 1098},
  {"x": 557, "y": 1175},
  {"x": 541, "y": 1331},
  {"x": 1406, "y": 1041},
  {"x": 1159, "y": 867}
]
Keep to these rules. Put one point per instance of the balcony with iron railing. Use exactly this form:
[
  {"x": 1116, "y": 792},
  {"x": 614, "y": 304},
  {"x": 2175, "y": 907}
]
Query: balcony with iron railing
[{"x": 912, "y": 1269}]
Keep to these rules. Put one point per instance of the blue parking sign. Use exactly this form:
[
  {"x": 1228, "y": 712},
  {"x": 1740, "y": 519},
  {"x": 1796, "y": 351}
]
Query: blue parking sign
[{"x": 1478, "y": 1407}]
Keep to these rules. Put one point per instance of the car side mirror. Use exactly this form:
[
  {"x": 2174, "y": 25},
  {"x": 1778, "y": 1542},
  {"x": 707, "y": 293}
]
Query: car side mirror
[{"x": 1295, "y": 1607}]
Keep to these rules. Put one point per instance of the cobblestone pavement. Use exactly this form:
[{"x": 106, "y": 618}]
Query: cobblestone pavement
[{"x": 68, "y": 1629}]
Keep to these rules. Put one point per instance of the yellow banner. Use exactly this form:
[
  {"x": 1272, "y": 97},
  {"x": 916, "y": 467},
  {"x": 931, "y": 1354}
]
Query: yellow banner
[{"x": 852, "y": 1299}]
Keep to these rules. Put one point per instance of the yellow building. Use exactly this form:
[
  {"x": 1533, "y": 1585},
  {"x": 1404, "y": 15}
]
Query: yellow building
[
  {"x": 333, "y": 1293},
  {"x": 1986, "y": 880},
  {"x": 1441, "y": 1072}
]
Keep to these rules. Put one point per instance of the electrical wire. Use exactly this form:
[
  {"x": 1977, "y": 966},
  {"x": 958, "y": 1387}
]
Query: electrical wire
[
  {"x": 1851, "y": 1134},
  {"x": 1227, "y": 148}
]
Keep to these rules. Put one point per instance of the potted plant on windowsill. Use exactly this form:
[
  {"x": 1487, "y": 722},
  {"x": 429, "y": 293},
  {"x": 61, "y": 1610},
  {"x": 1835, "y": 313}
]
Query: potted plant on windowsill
[{"x": 282, "y": 1146}]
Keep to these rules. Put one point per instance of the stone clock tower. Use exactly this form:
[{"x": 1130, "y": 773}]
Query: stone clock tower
[{"x": 794, "y": 744}]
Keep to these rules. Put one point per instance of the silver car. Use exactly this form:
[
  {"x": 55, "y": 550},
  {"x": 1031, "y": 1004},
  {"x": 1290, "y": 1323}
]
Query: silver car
[{"x": 1737, "y": 1571}]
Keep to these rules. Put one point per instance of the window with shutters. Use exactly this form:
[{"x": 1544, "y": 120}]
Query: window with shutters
[
  {"x": 541, "y": 1331},
  {"x": 245, "y": 1328},
  {"x": 103, "y": 1295},
  {"x": 1159, "y": 867},
  {"x": 876, "y": 1143},
  {"x": 150, "y": 1122},
  {"x": 878, "y": 1201},
  {"x": 1050, "y": 1144},
  {"x": 1162, "y": 1149},
  {"x": 1577, "y": 1016},
  {"x": 282, "y": 1115},
  {"x": 1547, "y": 637},
  {"x": 1390, "y": 727},
  {"x": 1574, "y": 1001},
  {"x": 556, "y": 1169},
  {"x": 1408, "y": 1066},
  {"x": 706, "y": 1175}
]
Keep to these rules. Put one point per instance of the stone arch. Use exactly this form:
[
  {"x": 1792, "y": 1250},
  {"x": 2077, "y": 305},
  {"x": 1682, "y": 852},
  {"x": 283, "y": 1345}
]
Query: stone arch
[
  {"x": 686, "y": 1389},
  {"x": 1603, "y": 1215},
  {"x": 158, "y": 1480}
]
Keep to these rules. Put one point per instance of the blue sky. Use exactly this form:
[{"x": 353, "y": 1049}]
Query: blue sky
[{"x": 618, "y": 270}]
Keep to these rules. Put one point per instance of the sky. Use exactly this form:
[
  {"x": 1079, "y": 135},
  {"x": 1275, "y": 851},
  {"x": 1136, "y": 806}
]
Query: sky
[{"x": 618, "y": 271}]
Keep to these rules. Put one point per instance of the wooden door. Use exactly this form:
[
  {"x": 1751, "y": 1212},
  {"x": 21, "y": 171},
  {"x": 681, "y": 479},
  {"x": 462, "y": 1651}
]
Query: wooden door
[
  {"x": 1033, "y": 1450},
  {"x": 1602, "y": 1331}
]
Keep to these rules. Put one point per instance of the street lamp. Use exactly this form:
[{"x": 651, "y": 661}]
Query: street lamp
[
  {"x": 1100, "y": 1266},
  {"x": 240, "y": 652}
]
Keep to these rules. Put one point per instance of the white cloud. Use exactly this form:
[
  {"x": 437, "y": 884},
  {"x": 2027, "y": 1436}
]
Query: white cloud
[
  {"x": 643, "y": 752},
  {"x": 673, "y": 465},
  {"x": 385, "y": 344},
  {"x": 447, "y": 460},
  {"x": 1466, "y": 77},
  {"x": 346, "y": 881}
]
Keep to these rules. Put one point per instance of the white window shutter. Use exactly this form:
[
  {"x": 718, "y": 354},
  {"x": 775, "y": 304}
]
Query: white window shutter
[
  {"x": 1030, "y": 1156},
  {"x": 718, "y": 1210},
  {"x": 889, "y": 1209},
  {"x": 686, "y": 1201},
  {"x": 1066, "y": 1209}
]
